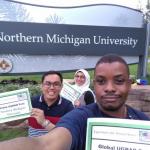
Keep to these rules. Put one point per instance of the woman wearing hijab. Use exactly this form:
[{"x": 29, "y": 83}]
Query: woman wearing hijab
[{"x": 82, "y": 83}]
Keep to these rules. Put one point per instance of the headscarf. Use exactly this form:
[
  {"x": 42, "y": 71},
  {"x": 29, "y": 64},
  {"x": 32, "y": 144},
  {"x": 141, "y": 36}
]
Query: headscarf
[{"x": 86, "y": 85}]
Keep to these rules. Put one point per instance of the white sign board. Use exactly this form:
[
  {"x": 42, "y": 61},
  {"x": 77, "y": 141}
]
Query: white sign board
[{"x": 102, "y": 10}]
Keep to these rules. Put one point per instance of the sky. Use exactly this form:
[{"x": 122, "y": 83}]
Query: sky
[
  {"x": 40, "y": 13},
  {"x": 131, "y": 3}
]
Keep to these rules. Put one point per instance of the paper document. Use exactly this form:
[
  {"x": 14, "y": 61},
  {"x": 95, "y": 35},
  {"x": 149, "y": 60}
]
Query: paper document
[
  {"x": 69, "y": 92},
  {"x": 117, "y": 134},
  {"x": 15, "y": 105}
]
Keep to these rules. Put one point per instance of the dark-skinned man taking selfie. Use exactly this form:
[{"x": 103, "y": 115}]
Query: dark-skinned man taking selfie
[{"x": 111, "y": 86}]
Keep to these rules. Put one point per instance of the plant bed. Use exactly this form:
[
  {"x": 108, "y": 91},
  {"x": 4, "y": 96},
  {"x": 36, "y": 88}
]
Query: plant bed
[{"x": 7, "y": 134}]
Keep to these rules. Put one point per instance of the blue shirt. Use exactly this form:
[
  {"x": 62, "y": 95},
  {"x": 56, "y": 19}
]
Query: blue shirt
[{"x": 76, "y": 122}]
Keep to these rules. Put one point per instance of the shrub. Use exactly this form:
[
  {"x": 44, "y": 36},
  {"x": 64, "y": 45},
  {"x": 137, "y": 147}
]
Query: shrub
[{"x": 33, "y": 89}]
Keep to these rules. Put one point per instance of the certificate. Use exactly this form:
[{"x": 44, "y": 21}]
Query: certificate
[
  {"x": 117, "y": 134},
  {"x": 69, "y": 92},
  {"x": 15, "y": 105}
]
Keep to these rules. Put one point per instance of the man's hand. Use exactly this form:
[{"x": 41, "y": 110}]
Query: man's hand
[{"x": 38, "y": 114}]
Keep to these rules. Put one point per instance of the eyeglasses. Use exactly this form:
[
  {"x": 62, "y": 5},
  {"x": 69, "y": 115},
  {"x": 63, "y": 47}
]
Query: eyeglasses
[{"x": 54, "y": 84}]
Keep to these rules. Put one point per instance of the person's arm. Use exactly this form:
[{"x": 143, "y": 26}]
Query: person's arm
[
  {"x": 88, "y": 97},
  {"x": 49, "y": 141},
  {"x": 48, "y": 125},
  {"x": 38, "y": 114}
]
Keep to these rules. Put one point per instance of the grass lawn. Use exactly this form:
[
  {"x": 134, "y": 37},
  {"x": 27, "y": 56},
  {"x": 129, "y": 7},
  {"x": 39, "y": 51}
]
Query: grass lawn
[
  {"x": 69, "y": 75},
  {"x": 6, "y": 134}
]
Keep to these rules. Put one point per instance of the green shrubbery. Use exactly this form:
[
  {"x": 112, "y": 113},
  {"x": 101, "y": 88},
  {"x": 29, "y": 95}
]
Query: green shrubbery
[
  {"x": 6, "y": 134},
  {"x": 33, "y": 89}
]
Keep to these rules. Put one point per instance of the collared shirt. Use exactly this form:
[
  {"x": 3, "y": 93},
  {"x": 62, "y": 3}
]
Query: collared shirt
[{"x": 53, "y": 113}]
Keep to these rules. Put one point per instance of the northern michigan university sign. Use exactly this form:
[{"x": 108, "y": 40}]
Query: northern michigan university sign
[
  {"x": 59, "y": 39},
  {"x": 78, "y": 42}
]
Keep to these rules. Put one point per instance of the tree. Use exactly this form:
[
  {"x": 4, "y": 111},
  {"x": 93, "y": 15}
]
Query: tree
[
  {"x": 55, "y": 19},
  {"x": 13, "y": 12},
  {"x": 145, "y": 8},
  {"x": 147, "y": 14}
]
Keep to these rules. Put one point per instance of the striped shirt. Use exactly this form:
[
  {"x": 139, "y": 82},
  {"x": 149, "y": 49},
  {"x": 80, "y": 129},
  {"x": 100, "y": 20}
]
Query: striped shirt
[{"x": 52, "y": 113}]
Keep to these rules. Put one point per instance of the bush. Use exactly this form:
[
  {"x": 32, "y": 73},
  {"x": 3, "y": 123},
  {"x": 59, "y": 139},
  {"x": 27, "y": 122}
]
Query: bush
[
  {"x": 7, "y": 134},
  {"x": 33, "y": 89}
]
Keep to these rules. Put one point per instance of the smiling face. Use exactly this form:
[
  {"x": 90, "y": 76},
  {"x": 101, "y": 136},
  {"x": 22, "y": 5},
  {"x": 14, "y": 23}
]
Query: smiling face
[
  {"x": 111, "y": 85},
  {"x": 79, "y": 78},
  {"x": 51, "y": 87}
]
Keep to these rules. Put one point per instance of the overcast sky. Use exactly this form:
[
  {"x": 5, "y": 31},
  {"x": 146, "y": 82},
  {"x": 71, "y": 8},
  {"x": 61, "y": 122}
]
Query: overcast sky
[
  {"x": 130, "y": 3},
  {"x": 40, "y": 13}
]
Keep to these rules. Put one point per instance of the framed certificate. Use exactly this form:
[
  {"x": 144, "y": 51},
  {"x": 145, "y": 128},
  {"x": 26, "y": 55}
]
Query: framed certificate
[
  {"x": 69, "y": 92},
  {"x": 15, "y": 105},
  {"x": 117, "y": 134}
]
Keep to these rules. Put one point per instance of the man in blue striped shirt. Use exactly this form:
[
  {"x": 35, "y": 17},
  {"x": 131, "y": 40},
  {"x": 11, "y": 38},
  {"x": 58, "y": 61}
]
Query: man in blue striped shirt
[{"x": 48, "y": 107}]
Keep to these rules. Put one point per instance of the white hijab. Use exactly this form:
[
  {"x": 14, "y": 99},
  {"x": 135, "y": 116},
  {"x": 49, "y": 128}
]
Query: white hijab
[{"x": 86, "y": 85}]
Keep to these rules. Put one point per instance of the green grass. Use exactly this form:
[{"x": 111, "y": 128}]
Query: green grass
[
  {"x": 133, "y": 69},
  {"x": 7, "y": 134},
  {"x": 69, "y": 75}
]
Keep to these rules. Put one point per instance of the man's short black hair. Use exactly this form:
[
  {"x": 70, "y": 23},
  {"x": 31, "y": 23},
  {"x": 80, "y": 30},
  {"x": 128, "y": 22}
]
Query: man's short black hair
[
  {"x": 110, "y": 58},
  {"x": 52, "y": 72}
]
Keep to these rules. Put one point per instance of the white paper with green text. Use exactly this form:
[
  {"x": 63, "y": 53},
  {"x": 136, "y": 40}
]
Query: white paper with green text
[
  {"x": 117, "y": 134},
  {"x": 15, "y": 105},
  {"x": 69, "y": 92}
]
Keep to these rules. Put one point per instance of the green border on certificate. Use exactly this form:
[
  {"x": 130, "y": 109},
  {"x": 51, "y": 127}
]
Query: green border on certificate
[
  {"x": 15, "y": 105},
  {"x": 69, "y": 92},
  {"x": 117, "y": 134}
]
